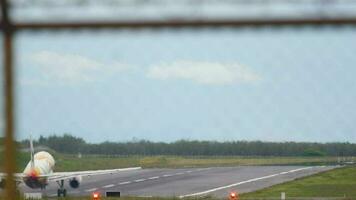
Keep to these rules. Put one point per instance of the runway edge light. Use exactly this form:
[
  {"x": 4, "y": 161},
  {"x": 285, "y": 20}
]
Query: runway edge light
[
  {"x": 96, "y": 196},
  {"x": 233, "y": 196}
]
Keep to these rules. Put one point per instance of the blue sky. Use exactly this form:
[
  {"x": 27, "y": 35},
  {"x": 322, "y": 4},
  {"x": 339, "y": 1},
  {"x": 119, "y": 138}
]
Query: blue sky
[{"x": 230, "y": 84}]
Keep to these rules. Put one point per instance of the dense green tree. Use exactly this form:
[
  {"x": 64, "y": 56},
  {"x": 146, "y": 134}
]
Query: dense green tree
[{"x": 70, "y": 144}]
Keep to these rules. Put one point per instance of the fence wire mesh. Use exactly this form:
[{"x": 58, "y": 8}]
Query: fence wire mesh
[{"x": 152, "y": 87}]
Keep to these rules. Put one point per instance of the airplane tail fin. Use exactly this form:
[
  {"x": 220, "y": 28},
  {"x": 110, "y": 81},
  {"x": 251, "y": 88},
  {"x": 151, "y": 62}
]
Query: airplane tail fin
[{"x": 32, "y": 153}]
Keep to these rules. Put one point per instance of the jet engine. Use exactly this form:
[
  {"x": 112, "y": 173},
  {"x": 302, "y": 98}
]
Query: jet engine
[
  {"x": 75, "y": 182},
  {"x": 2, "y": 183}
]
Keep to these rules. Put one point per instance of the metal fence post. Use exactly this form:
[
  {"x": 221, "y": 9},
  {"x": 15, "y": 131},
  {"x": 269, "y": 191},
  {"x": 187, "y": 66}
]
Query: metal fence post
[{"x": 7, "y": 29}]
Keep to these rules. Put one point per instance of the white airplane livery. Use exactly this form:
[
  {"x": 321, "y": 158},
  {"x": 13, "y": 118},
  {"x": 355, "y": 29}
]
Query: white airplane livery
[{"x": 39, "y": 172}]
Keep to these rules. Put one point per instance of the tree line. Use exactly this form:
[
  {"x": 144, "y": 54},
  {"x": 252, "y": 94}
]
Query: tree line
[{"x": 73, "y": 145}]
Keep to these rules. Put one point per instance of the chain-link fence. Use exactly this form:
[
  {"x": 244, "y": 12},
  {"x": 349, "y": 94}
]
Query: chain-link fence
[{"x": 164, "y": 71}]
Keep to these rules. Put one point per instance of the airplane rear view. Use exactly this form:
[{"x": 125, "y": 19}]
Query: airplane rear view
[{"x": 39, "y": 172}]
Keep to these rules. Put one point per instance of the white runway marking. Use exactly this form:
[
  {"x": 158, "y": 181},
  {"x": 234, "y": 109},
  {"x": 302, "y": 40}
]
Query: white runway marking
[
  {"x": 202, "y": 169},
  {"x": 189, "y": 171},
  {"x": 139, "y": 180},
  {"x": 295, "y": 170},
  {"x": 154, "y": 177},
  {"x": 109, "y": 186},
  {"x": 124, "y": 183},
  {"x": 91, "y": 190},
  {"x": 242, "y": 182},
  {"x": 179, "y": 173},
  {"x": 167, "y": 175}
]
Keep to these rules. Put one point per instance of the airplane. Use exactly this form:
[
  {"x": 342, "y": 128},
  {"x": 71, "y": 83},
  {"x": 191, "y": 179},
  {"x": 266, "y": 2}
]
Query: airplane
[{"x": 39, "y": 172}]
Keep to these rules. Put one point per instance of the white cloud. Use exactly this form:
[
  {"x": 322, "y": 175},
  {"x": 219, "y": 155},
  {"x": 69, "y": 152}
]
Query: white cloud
[
  {"x": 70, "y": 68},
  {"x": 209, "y": 73}
]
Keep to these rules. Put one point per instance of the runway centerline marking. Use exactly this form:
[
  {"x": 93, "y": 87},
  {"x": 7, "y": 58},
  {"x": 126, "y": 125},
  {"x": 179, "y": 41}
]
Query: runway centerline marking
[
  {"x": 154, "y": 177},
  {"x": 242, "y": 182},
  {"x": 139, "y": 180},
  {"x": 91, "y": 190},
  {"x": 167, "y": 175},
  {"x": 202, "y": 169},
  {"x": 124, "y": 183},
  {"x": 109, "y": 186},
  {"x": 179, "y": 173}
]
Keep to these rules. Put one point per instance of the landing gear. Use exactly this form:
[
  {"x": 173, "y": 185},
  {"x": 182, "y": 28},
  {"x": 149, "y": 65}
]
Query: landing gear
[{"x": 61, "y": 190}]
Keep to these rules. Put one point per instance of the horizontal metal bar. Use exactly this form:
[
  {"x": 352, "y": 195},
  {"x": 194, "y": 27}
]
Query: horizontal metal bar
[{"x": 181, "y": 23}]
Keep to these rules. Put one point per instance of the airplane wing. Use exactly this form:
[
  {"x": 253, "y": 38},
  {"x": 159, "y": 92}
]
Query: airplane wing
[
  {"x": 18, "y": 177},
  {"x": 56, "y": 176}
]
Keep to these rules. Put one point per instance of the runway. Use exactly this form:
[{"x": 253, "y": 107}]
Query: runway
[{"x": 215, "y": 181}]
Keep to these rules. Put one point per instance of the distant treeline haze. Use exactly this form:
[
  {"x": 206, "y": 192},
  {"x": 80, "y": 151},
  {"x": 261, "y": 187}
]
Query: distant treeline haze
[{"x": 74, "y": 145}]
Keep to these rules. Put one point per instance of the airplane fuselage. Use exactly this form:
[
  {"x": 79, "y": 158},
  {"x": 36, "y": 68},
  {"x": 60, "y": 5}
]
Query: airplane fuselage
[
  {"x": 39, "y": 171},
  {"x": 36, "y": 177}
]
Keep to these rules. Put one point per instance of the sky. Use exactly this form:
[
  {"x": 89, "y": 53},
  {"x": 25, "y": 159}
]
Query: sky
[{"x": 230, "y": 84}]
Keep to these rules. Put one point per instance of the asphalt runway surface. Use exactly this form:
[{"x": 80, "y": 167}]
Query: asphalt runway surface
[{"x": 215, "y": 181}]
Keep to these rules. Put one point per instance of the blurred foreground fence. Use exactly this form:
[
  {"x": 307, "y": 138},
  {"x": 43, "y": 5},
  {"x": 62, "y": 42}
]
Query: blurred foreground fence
[{"x": 9, "y": 30}]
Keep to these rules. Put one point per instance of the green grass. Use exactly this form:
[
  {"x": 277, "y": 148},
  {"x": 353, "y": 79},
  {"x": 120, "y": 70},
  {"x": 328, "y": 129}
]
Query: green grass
[
  {"x": 335, "y": 183},
  {"x": 72, "y": 163},
  {"x": 66, "y": 162}
]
